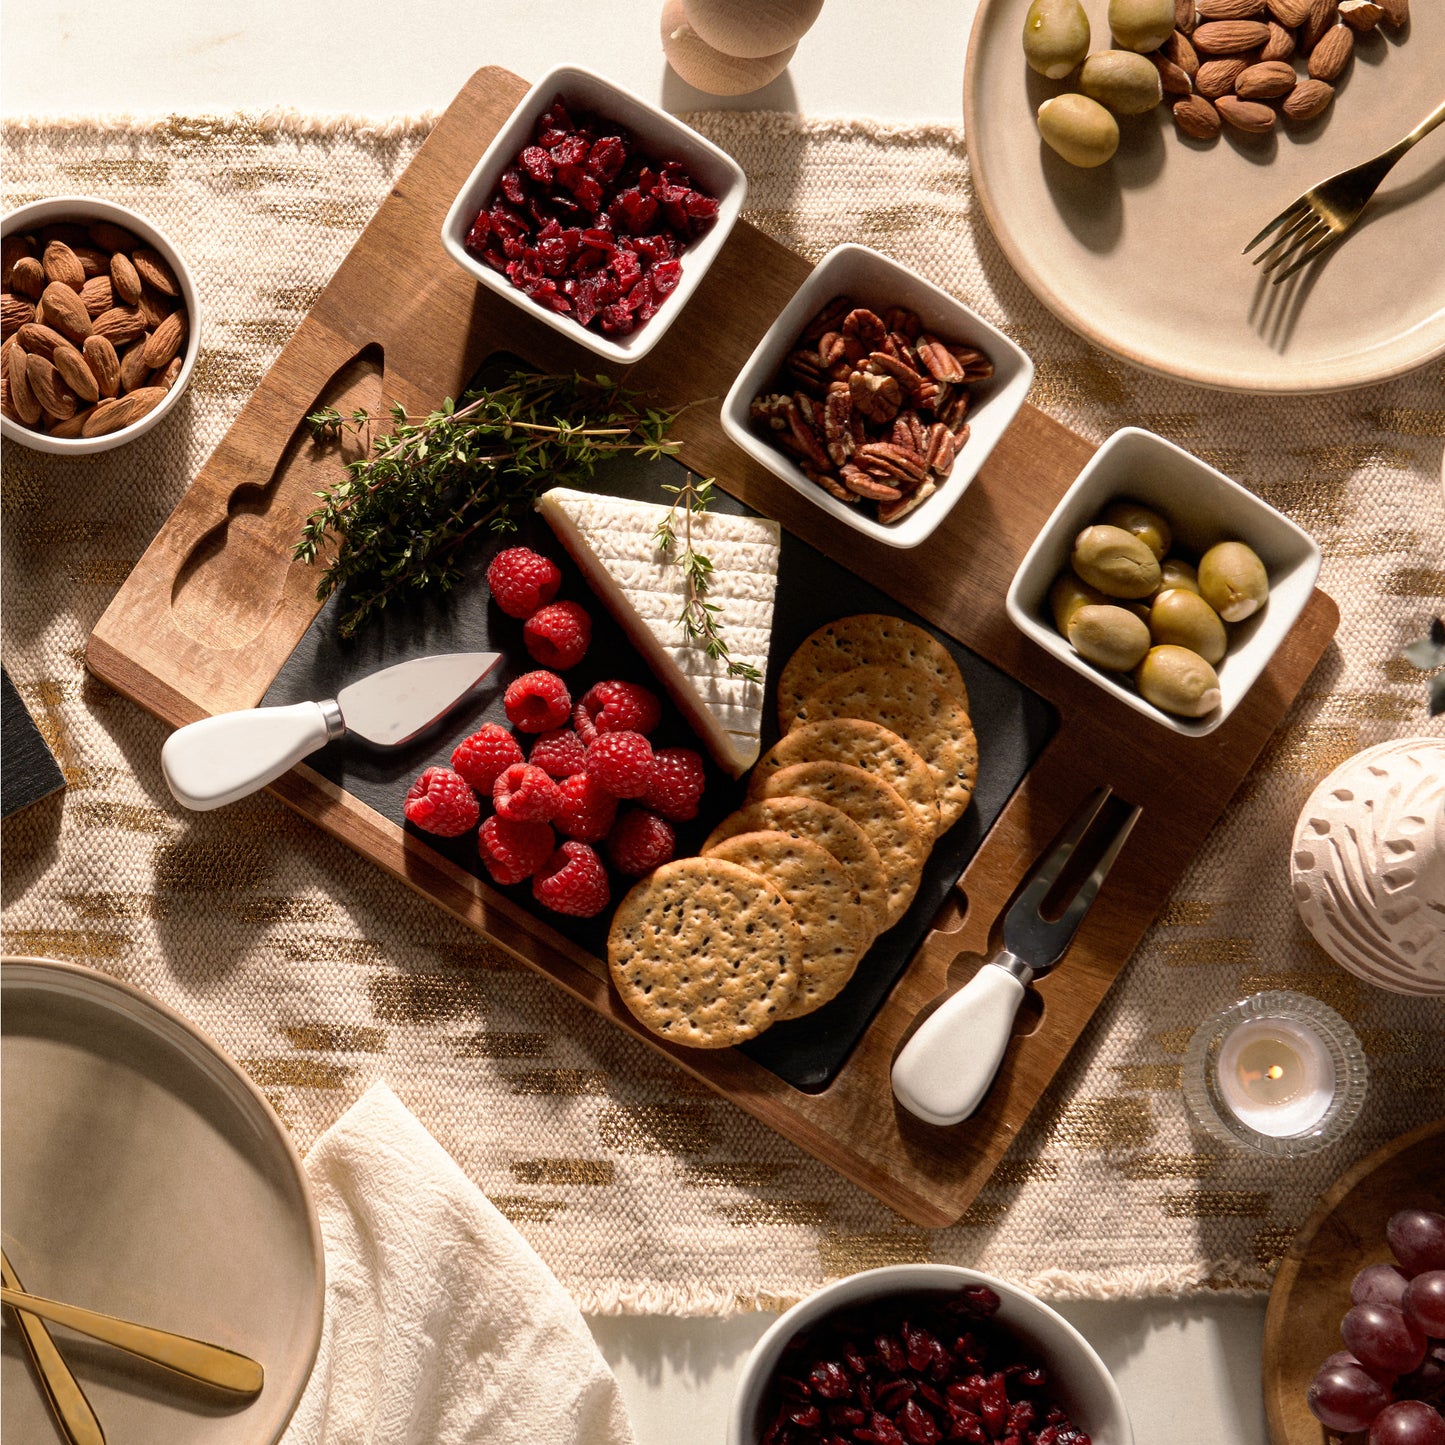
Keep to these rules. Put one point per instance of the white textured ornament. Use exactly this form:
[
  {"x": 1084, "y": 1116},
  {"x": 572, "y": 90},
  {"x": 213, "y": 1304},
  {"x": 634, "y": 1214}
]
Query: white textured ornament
[{"x": 1368, "y": 865}]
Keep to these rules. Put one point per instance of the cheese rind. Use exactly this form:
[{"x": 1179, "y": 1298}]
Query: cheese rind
[{"x": 611, "y": 539}]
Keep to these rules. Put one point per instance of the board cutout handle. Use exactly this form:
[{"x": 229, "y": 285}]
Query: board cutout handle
[
  {"x": 945, "y": 1069},
  {"x": 217, "y": 760}
]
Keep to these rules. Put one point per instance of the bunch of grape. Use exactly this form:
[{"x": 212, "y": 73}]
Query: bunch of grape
[{"x": 1390, "y": 1377}]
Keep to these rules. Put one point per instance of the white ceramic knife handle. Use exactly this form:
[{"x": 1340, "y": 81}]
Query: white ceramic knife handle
[
  {"x": 945, "y": 1069},
  {"x": 213, "y": 762}
]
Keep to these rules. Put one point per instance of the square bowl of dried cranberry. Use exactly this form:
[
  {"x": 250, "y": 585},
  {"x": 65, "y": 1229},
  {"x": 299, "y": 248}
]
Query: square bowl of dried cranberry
[
  {"x": 595, "y": 212},
  {"x": 986, "y": 405},
  {"x": 917, "y": 1353}
]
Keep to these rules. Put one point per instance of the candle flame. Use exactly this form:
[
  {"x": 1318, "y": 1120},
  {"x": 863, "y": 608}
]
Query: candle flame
[{"x": 1275, "y": 1072}]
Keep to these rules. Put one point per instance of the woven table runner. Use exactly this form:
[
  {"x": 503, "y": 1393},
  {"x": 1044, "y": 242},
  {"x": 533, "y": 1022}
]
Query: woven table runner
[{"x": 642, "y": 1190}]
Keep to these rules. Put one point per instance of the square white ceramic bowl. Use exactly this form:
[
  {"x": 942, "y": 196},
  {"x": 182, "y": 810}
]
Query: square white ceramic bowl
[
  {"x": 874, "y": 280},
  {"x": 1203, "y": 507},
  {"x": 659, "y": 135}
]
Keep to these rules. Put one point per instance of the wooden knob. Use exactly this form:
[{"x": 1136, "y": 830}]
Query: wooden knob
[
  {"x": 752, "y": 29},
  {"x": 709, "y": 70}
]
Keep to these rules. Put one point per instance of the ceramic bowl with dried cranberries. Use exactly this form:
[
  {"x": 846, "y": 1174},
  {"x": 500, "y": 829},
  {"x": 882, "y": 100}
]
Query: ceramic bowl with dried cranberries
[
  {"x": 101, "y": 326},
  {"x": 595, "y": 212},
  {"x": 917, "y": 1353}
]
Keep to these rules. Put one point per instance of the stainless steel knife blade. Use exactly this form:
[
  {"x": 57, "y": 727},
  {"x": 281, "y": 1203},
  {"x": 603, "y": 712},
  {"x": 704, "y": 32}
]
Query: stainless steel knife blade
[{"x": 394, "y": 705}]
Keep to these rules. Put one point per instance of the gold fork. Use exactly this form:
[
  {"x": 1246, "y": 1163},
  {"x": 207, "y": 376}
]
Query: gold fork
[{"x": 1326, "y": 211}]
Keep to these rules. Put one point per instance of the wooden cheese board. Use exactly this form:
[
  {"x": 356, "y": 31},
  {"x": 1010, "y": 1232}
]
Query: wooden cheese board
[{"x": 215, "y": 607}]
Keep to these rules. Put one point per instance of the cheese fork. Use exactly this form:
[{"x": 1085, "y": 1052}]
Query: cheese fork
[{"x": 195, "y": 1359}]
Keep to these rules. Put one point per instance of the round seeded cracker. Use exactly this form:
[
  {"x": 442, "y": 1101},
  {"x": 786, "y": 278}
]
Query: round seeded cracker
[
  {"x": 864, "y": 640},
  {"x": 931, "y": 720},
  {"x": 705, "y": 952},
  {"x": 876, "y": 808},
  {"x": 824, "y": 901},
  {"x": 863, "y": 744}
]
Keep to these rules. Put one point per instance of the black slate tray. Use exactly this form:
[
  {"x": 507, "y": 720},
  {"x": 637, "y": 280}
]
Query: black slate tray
[
  {"x": 28, "y": 770},
  {"x": 1012, "y": 724}
]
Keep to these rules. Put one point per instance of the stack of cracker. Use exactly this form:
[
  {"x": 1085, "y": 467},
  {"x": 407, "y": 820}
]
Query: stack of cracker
[{"x": 878, "y": 758}]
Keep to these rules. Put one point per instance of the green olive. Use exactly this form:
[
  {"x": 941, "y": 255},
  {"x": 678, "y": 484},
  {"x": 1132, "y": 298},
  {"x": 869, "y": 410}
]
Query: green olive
[
  {"x": 1108, "y": 636},
  {"x": 1178, "y": 681},
  {"x": 1056, "y": 36},
  {"x": 1232, "y": 580},
  {"x": 1145, "y": 523},
  {"x": 1067, "y": 595},
  {"x": 1079, "y": 129},
  {"x": 1176, "y": 572},
  {"x": 1115, "y": 561},
  {"x": 1121, "y": 80},
  {"x": 1185, "y": 619},
  {"x": 1141, "y": 25}
]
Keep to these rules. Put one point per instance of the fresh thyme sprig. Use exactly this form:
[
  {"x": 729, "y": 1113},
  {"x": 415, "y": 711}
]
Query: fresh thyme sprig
[
  {"x": 406, "y": 511},
  {"x": 700, "y": 618}
]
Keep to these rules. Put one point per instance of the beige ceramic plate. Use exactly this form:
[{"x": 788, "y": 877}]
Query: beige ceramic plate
[
  {"x": 1142, "y": 256},
  {"x": 145, "y": 1176}
]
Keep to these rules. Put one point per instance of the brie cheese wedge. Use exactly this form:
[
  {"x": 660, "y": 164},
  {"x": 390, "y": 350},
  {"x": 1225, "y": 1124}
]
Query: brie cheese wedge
[{"x": 611, "y": 540}]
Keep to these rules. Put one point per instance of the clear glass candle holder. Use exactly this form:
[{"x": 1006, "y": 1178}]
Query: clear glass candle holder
[{"x": 1278, "y": 1073}]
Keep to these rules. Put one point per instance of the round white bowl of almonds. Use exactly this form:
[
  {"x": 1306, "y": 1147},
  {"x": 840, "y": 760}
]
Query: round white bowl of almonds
[{"x": 101, "y": 326}]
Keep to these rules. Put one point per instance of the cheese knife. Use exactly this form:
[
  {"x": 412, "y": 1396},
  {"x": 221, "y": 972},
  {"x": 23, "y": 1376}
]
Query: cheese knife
[{"x": 217, "y": 760}]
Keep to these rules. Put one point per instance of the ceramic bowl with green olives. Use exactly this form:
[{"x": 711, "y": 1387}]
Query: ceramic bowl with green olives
[{"x": 1164, "y": 581}]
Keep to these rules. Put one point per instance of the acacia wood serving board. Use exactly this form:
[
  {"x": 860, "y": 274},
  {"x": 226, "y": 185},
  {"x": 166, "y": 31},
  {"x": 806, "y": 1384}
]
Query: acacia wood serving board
[{"x": 215, "y": 606}]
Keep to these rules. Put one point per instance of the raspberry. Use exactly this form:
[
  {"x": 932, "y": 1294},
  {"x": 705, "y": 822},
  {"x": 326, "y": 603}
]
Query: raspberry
[
  {"x": 583, "y": 810},
  {"x": 522, "y": 581},
  {"x": 614, "y": 707},
  {"x": 537, "y": 702},
  {"x": 559, "y": 753},
  {"x": 573, "y": 881},
  {"x": 524, "y": 794},
  {"x": 639, "y": 842},
  {"x": 489, "y": 751},
  {"x": 514, "y": 851},
  {"x": 675, "y": 783},
  {"x": 441, "y": 802},
  {"x": 558, "y": 635},
  {"x": 620, "y": 763}
]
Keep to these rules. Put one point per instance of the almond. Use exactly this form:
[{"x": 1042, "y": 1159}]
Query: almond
[
  {"x": 15, "y": 312},
  {"x": 1397, "y": 12},
  {"x": 166, "y": 340},
  {"x": 1229, "y": 9},
  {"x": 1280, "y": 45},
  {"x": 73, "y": 426},
  {"x": 1329, "y": 58},
  {"x": 110, "y": 237},
  {"x": 65, "y": 311},
  {"x": 1172, "y": 79},
  {"x": 55, "y": 397},
  {"x": 1361, "y": 15},
  {"x": 1307, "y": 100},
  {"x": 93, "y": 261},
  {"x": 63, "y": 265},
  {"x": 120, "y": 324},
  {"x": 123, "y": 279},
  {"x": 27, "y": 278},
  {"x": 17, "y": 378},
  {"x": 1197, "y": 118},
  {"x": 111, "y": 416},
  {"x": 1322, "y": 16},
  {"x": 104, "y": 364},
  {"x": 1179, "y": 49},
  {"x": 133, "y": 366},
  {"x": 166, "y": 377},
  {"x": 1268, "y": 80},
  {"x": 12, "y": 249},
  {"x": 97, "y": 295},
  {"x": 154, "y": 306},
  {"x": 1247, "y": 116},
  {"x": 39, "y": 340},
  {"x": 1217, "y": 77},
  {"x": 1290, "y": 12},
  {"x": 1229, "y": 37},
  {"x": 75, "y": 373},
  {"x": 1185, "y": 18},
  {"x": 152, "y": 268}
]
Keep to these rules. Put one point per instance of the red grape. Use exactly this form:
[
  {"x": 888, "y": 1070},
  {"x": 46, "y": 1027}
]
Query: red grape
[
  {"x": 1408, "y": 1422},
  {"x": 1378, "y": 1284},
  {"x": 1382, "y": 1339},
  {"x": 1428, "y": 1381},
  {"x": 1424, "y": 1301},
  {"x": 1344, "y": 1397},
  {"x": 1417, "y": 1237}
]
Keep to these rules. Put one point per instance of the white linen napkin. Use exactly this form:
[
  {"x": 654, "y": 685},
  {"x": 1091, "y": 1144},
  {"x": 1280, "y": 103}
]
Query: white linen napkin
[{"x": 442, "y": 1325}]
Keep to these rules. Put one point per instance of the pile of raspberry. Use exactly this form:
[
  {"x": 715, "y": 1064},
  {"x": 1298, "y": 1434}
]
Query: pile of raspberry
[
  {"x": 589, "y": 227},
  {"x": 590, "y": 776}
]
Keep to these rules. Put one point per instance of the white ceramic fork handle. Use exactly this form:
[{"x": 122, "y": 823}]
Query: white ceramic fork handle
[
  {"x": 213, "y": 762},
  {"x": 945, "y": 1069}
]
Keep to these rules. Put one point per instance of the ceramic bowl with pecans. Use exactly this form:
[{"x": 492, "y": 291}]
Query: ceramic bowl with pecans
[{"x": 101, "y": 326}]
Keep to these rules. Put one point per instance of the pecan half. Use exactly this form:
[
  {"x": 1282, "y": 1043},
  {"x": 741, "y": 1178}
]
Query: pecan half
[
  {"x": 866, "y": 325},
  {"x": 837, "y": 419},
  {"x": 942, "y": 364},
  {"x": 857, "y": 480},
  {"x": 892, "y": 511},
  {"x": 940, "y": 450},
  {"x": 806, "y": 369},
  {"x": 976, "y": 366},
  {"x": 833, "y": 486},
  {"x": 953, "y": 414},
  {"x": 883, "y": 459},
  {"x": 876, "y": 395},
  {"x": 904, "y": 321},
  {"x": 830, "y": 349},
  {"x": 908, "y": 378},
  {"x": 770, "y": 409},
  {"x": 830, "y": 318}
]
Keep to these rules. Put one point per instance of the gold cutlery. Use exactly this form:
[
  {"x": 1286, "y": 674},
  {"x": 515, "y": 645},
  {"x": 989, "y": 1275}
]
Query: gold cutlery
[
  {"x": 72, "y": 1410},
  {"x": 195, "y": 1359}
]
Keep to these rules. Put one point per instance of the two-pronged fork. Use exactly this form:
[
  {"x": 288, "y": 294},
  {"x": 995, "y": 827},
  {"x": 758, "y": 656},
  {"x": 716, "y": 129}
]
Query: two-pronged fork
[{"x": 1326, "y": 211}]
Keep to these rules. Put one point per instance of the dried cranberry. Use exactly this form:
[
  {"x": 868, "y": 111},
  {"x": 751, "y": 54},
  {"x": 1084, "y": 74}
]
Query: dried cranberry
[
  {"x": 512, "y": 187},
  {"x": 894, "y": 1393},
  {"x": 828, "y": 1381},
  {"x": 606, "y": 157},
  {"x": 919, "y": 1427}
]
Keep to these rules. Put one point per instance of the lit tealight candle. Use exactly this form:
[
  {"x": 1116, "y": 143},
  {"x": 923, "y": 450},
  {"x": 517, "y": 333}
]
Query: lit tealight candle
[{"x": 1276, "y": 1075}]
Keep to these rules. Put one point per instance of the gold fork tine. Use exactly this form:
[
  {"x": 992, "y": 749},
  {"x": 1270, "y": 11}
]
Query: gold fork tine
[
  {"x": 1328, "y": 239},
  {"x": 1293, "y": 213},
  {"x": 1303, "y": 225}
]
